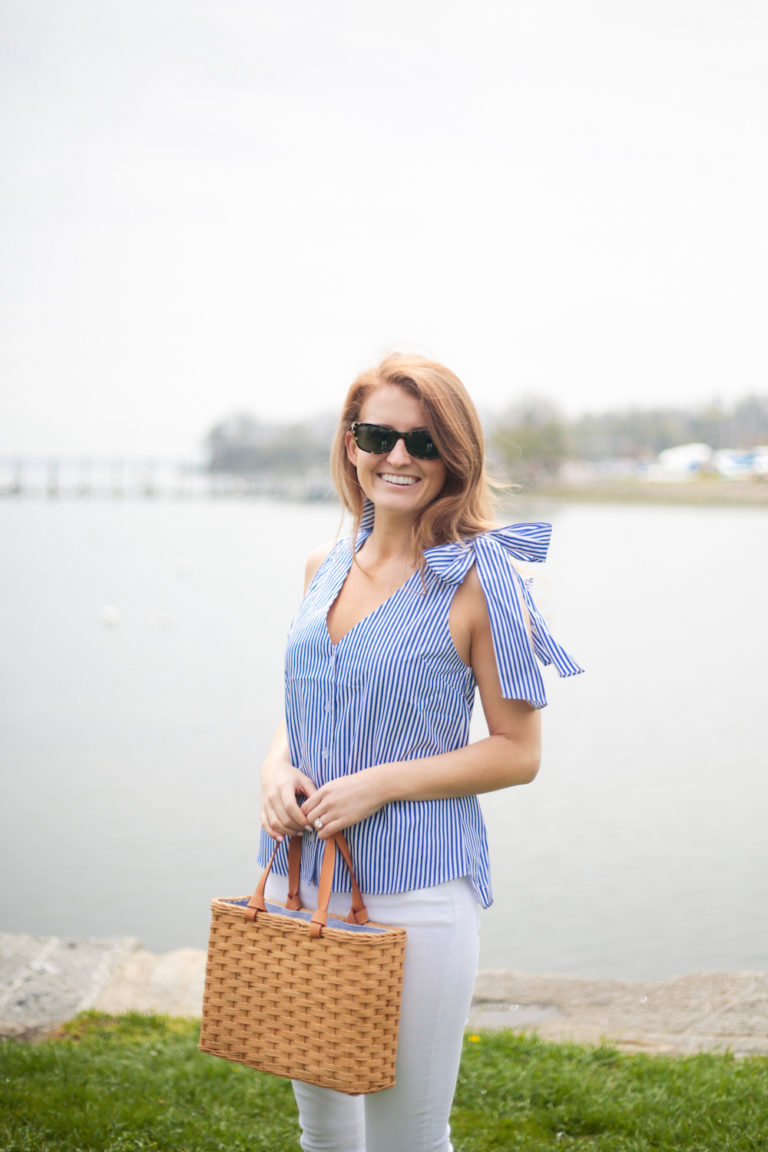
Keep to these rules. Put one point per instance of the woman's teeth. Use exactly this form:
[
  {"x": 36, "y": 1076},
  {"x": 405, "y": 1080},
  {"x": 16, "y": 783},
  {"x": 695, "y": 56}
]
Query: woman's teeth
[{"x": 404, "y": 481}]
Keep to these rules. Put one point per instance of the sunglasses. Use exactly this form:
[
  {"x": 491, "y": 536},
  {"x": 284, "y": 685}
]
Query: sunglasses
[{"x": 380, "y": 438}]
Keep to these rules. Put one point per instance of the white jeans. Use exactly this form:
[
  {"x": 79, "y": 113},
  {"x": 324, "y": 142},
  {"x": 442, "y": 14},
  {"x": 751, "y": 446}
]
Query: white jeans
[{"x": 440, "y": 969}]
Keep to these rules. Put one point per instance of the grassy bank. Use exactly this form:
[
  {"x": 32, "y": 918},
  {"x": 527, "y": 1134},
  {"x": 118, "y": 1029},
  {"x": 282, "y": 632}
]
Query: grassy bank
[{"x": 138, "y": 1084}]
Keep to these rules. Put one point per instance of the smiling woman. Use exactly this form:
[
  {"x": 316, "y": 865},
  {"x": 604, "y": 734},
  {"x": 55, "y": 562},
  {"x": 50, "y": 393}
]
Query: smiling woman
[{"x": 399, "y": 625}]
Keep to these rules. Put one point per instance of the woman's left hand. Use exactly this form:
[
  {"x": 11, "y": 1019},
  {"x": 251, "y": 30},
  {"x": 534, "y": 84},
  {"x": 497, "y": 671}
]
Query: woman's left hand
[{"x": 343, "y": 802}]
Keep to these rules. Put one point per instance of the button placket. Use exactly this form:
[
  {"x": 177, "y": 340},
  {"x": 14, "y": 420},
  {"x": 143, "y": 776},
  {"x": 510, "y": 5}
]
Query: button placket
[{"x": 330, "y": 705}]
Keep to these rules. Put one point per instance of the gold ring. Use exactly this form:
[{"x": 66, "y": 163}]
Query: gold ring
[{"x": 319, "y": 824}]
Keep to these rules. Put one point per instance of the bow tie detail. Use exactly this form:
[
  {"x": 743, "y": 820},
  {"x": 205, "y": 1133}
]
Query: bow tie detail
[
  {"x": 528, "y": 542},
  {"x": 517, "y": 642}
]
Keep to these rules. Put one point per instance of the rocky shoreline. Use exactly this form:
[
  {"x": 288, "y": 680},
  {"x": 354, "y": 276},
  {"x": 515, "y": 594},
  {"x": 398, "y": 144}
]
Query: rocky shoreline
[{"x": 45, "y": 980}]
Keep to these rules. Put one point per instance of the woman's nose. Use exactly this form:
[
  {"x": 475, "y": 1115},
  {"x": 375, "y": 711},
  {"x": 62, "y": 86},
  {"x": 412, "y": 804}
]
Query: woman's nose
[{"x": 399, "y": 454}]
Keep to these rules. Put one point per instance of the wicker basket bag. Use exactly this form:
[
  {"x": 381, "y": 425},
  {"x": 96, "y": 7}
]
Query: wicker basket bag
[{"x": 302, "y": 993}]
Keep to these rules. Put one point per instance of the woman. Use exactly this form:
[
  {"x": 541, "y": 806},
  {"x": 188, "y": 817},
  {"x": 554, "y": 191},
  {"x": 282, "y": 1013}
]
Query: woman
[{"x": 382, "y": 661}]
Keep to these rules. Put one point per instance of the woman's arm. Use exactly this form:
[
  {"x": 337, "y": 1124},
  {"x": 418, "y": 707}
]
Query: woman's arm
[
  {"x": 509, "y": 755},
  {"x": 281, "y": 782}
]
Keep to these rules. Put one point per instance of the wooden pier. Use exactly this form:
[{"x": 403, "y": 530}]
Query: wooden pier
[{"x": 55, "y": 478}]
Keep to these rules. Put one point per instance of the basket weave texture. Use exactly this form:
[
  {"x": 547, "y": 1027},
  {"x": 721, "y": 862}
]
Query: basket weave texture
[{"x": 320, "y": 1008}]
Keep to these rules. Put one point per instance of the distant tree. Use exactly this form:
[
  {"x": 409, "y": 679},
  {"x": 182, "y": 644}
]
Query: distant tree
[
  {"x": 641, "y": 432},
  {"x": 242, "y": 444},
  {"x": 529, "y": 441},
  {"x": 235, "y": 442},
  {"x": 748, "y": 423},
  {"x": 634, "y": 432}
]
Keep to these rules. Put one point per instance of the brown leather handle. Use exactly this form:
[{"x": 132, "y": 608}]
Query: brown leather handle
[
  {"x": 257, "y": 902},
  {"x": 358, "y": 913}
]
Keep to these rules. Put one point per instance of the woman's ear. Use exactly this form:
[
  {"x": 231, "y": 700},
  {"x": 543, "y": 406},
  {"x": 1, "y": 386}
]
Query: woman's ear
[{"x": 352, "y": 450}]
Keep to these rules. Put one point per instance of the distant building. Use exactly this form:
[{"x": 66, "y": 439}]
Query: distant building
[
  {"x": 686, "y": 461},
  {"x": 736, "y": 464},
  {"x": 683, "y": 462}
]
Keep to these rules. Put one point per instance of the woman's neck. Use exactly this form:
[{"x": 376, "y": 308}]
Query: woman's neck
[{"x": 391, "y": 541}]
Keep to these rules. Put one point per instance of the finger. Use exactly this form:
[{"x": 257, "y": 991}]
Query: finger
[
  {"x": 267, "y": 819},
  {"x": 305, "y": 785},
  {"x": 288, "y": 812},
  {"x": 330, "y": 828},
  {"x": 296, "y": 822},
  {"x": 279, "y": 823},
  {"x": 321, "y": 823},
  {"x": 312, "y": 803},
  {"x": 270, "y": 829}
]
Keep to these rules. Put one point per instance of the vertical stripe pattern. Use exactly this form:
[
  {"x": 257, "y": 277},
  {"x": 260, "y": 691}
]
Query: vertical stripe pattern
[{"x": 394, "y": 688}]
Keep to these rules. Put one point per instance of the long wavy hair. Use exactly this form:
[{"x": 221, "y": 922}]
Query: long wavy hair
[{"x": 463, "y": 507}]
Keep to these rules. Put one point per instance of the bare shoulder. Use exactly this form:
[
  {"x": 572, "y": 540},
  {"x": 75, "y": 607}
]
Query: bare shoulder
[{"x": 314, "y": 560}]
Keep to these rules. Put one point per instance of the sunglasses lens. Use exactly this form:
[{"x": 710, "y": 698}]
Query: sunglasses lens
[
  {"x": 421, "y": 445},
  {"x": 374, "y": 438}
]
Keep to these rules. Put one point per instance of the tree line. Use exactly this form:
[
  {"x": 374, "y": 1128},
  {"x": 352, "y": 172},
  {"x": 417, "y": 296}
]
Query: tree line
[{"x": 530, "y": 439}]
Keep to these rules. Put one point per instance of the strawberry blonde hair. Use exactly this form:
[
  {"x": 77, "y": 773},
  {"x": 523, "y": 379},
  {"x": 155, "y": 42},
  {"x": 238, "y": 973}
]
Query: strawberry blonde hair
[{"x": 463, "y": 506}]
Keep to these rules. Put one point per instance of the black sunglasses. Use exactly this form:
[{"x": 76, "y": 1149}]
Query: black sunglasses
[{"x": 380, "y": 438}]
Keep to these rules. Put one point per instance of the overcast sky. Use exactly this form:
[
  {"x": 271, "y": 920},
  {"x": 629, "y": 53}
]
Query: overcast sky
[{"x": 236, "y": 205}]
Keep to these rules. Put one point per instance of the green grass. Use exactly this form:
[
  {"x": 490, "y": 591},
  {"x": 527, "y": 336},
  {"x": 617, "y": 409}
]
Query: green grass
[
  {"x": 519, "y": 1093},
  {"x": 138, "y": 1084}
]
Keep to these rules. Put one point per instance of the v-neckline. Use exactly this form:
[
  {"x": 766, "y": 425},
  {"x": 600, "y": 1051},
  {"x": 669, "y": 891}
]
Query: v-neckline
[{"x": 368, "y": 615}]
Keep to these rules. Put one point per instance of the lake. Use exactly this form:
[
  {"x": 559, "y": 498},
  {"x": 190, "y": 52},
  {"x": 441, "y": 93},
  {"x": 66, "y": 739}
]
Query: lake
[{"x": 141, "y": 682}]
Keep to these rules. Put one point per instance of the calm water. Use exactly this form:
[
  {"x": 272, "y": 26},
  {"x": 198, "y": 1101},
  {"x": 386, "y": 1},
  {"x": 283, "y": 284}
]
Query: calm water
[{"x": 141, "y": 682}]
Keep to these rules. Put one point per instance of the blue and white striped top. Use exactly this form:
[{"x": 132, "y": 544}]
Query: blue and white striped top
[{"x": 395, "y": 688}]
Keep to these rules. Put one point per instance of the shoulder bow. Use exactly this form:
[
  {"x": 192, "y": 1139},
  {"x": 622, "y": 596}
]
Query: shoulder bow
[{"x": 505, "y": 593}]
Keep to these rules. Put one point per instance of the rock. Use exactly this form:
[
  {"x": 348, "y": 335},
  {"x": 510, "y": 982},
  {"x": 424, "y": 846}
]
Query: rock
[{"x": 45, "y": 981}]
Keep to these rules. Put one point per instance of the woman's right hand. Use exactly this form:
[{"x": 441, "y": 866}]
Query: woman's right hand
[{"x": 281, "y": 787}]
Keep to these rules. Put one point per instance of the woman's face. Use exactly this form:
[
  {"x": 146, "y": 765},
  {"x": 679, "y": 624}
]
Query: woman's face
[{"x": 396, "y": 481}]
